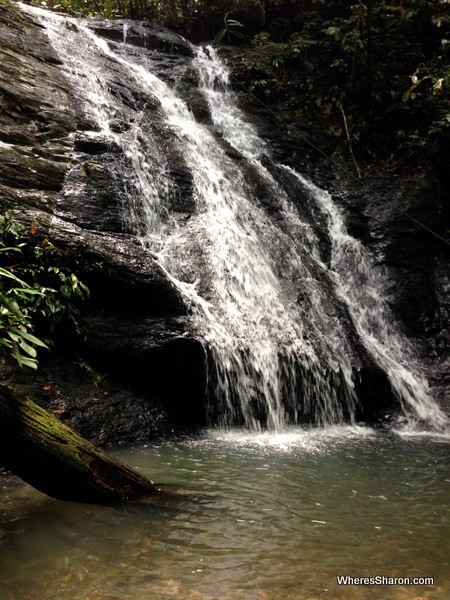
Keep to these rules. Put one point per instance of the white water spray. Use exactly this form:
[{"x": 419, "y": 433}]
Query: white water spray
[
  {"x": 360, "y": 286},
  {"x": 356, "y": 280}
]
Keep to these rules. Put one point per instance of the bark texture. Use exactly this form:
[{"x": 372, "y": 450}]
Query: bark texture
[{"x": 56, "y": 460}]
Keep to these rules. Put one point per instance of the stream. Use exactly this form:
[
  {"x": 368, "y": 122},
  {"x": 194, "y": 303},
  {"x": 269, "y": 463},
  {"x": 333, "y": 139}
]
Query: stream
[{"x": 252, "y": 515}]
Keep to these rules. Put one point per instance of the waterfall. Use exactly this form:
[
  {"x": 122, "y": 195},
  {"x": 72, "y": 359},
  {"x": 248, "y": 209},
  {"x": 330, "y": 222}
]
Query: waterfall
[
  {"x": 356, "y": 281},
  {"x": 359, "y": 284},
  {"x": 274, "y": 315}
]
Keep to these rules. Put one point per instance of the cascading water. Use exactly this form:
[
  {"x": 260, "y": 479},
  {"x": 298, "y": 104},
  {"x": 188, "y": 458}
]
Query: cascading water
[
  {"x": 356, "y": 281},
  {"x": 359, "y": 285},
  {"x": 272, "y": 313}
]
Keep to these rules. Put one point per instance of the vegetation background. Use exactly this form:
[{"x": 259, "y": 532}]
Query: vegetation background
[{"x": 373, "y": 76}]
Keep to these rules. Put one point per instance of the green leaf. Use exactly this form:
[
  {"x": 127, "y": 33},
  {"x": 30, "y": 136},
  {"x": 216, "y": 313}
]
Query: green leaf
[
  {"x": 14, "y": 336},
  {"x": 85, "y": 289},
  {"x": 27, "y": 348},
  {"x": 21, "y": 303},
  {"x": 237, "y": 34},
  {"x": 16, "y": 354},
  {"x": 66, "y": 291},
  {"x": 233, "y": 23},
  {"x": 33, "y": 339},
  {"x": 406, "y": 95},
  {"x": 10, "y": 249},
  {"x": 219, "y": 37},
  {"x": 7, "y": 273},
  {"x": 28, "y": 291},
  {"x": 29, "y": 362}
]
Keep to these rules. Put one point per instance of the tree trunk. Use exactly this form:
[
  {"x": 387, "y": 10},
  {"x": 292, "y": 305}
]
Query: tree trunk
[{"x": 56, "y": 460}]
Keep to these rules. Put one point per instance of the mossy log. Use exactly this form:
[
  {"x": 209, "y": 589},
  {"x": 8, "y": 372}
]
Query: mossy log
[{"x": 56, "y": 460}]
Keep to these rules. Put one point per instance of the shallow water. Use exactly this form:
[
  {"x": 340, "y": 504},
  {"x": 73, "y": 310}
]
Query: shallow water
[{"x": 254, "y": 516}]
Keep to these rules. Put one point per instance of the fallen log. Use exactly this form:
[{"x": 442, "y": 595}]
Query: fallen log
[{"x": 53, "y": 458}]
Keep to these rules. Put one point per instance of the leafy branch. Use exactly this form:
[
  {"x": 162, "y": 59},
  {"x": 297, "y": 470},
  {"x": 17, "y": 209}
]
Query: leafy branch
[
  {"x": 229, "y": 30},
  {"x": 33, "y": 291}
]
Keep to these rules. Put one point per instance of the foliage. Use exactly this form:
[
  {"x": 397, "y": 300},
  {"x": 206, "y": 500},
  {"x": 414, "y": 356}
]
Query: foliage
[
  {"x": 36, "y": 294},
  {"x": 382, "y": 64},
  {"x": 229, "y": 31},
  {"x": 197, "y": 19}
]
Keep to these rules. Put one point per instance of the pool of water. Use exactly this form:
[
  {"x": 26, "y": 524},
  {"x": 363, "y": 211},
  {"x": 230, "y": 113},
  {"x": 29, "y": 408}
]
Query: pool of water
[{"x": 251, "y": 516}]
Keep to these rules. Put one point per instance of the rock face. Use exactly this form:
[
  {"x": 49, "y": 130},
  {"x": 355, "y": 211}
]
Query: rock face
[
  {"x": 136, "y": 325},
  {"x": 55, "y": 174}
]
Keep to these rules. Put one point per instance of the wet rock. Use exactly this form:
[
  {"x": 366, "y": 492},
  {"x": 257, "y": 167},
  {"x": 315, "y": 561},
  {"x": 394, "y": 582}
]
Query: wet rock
[
  {"x": 396, "y": 217},
  {"x": 151, "y": 352},
  {"x": 58, "y": 173},
  {"x": 398, "y": 224},
  {"x": 35, "y": 102},
  {"x": 24, "y": 167},
  {"x": 143, "y": 34},
  {"x": 105, "y": 411}
]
